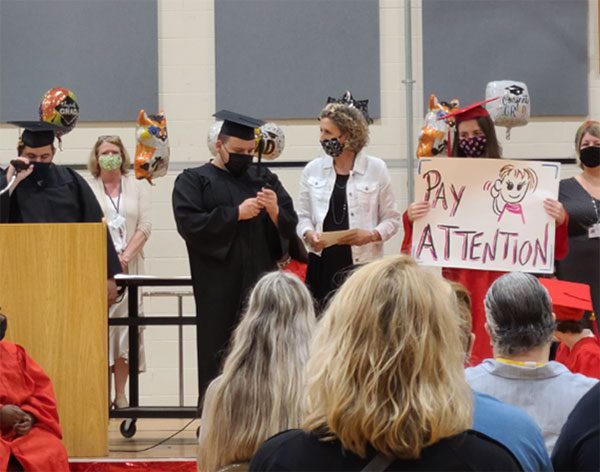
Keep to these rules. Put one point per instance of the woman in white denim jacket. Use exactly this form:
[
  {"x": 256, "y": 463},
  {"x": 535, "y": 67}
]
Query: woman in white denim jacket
[{"x": 344, "y": 190}]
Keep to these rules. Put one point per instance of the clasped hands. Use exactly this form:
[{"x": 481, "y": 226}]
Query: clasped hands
[
  {"x": 14, "y": 421},
  {"x": 251, "y": 207}
]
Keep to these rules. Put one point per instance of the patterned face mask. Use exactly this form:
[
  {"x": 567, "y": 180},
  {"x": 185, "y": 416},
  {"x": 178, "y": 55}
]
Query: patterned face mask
[
  {"x": 110, "y": 161},
  {"x": 332, "y": 147},
  {"x": 473, "y": 147}
]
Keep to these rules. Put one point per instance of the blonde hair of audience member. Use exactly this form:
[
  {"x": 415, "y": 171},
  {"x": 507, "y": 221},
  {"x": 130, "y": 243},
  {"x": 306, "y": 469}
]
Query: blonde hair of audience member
[
  {"x": 93, "y": 165},
  {"x": 261, "y": 389},
  {"x": 385, "y": 369}
]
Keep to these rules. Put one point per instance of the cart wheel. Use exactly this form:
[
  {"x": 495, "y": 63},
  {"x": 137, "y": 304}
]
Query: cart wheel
[{"x": 128, "y": 428}]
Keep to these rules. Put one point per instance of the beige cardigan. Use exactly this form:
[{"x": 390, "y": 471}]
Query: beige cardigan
[{"x": 136, "y": 200}]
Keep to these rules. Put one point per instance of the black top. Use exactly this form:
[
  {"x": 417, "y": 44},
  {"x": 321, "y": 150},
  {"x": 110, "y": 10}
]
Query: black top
[
  {"x": 227, "y": 256},
  {"x": 336, "y": 218},
  {"x": 327, "y": 272},
  {"x": 578, "y": 446},
  {"x": 60, "y": 195},
  {"x": 4, "y": 199},
  {"x": 582, "y": 262},
  {"x": 298, "y": 450}
]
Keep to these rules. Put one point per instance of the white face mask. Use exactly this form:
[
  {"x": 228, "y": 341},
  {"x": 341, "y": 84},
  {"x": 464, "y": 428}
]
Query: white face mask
[{"x": 111, "y": 161}]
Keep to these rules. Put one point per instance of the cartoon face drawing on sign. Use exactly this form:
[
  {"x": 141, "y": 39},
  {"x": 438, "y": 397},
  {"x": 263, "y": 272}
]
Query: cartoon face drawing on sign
[{"x": 510, "y": 189}]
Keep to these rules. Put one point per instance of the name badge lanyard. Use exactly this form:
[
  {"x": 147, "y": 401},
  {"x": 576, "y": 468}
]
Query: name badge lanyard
[{"x": 117, "y": 206}]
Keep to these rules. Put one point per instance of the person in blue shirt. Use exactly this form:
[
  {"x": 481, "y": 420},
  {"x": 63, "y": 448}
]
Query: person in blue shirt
[{"x": 507, "y": 424}]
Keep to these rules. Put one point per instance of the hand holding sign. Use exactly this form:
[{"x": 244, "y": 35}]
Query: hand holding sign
[
  {"x": 418, "y": 210},
  {"x": 556, "y": 210}
]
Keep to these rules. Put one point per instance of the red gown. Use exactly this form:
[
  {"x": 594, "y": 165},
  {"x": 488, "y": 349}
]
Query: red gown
[
  {"x": 23, "y": 383},
  {"x": 583, "y": 359},
  {"x": 477, "y": 282}
]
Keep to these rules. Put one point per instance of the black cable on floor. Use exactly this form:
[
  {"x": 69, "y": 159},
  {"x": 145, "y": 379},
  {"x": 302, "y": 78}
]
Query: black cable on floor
[{"x": 158, "y": 443}]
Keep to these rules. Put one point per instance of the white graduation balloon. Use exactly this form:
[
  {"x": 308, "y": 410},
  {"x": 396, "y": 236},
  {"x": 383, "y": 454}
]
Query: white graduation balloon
[
  {"x": 213, "y": 134},
  {"x": 513, "y": 107},
  {"x": 272, "y": 141}
]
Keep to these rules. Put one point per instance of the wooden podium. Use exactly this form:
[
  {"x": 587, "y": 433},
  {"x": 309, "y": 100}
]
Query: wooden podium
[{"x": 53, "y": 292}]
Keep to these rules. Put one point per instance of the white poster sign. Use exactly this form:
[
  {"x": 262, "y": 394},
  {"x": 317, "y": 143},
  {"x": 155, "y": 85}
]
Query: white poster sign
[{"x": 486, "y": 214}]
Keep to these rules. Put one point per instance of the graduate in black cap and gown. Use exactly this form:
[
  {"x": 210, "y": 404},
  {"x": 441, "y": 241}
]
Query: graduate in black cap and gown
[
  {"x": 49, "y": 193},
  {"x": 236, "y": 219}
]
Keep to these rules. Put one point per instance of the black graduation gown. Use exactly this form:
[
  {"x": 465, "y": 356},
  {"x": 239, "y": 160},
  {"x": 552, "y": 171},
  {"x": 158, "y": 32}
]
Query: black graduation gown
[
  {"x": 227, "y": 256},
  {"x": 62, "y": 197},
  {"x": 4, "y": 199}
]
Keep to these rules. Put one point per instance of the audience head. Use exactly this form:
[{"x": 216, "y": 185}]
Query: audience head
[
  {"x": 463, "y": 308},
  {"x": 345, "y": 123},
  {"x": 518, "y": 314},
  {"x": 587, "y": 144},
  {"x": 109, "y": 154},
  {"x": 261, "y": 389},
  {"x": 386, "y": 368}
]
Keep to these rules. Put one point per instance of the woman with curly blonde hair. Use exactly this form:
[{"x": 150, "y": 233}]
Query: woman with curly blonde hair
[
  {"x": 344, "y": 190},
  {"x": 386, "y": 382},
  {"x": 261, "y": 389}
]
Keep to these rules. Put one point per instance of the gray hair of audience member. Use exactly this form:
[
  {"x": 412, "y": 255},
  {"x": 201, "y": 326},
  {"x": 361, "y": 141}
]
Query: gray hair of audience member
[
  {"x": 261, "y": 389},
  {"x": 518, "y": 313}
]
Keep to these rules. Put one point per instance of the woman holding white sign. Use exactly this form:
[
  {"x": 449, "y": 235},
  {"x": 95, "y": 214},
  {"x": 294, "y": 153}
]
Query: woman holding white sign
[
  {"x": 346, "y": 207},
  {"x": 581, "y": 197},
  {"x": 475, "y": 137}
]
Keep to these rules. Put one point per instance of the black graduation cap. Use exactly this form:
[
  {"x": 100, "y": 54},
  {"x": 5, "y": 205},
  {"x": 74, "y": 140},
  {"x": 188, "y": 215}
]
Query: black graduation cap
[
  {"x": 237, "y": 125},
  {"x": 38, "y": 133}
]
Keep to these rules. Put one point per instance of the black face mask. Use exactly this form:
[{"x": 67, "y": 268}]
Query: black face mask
[
  {"x": 40, "y": 172},
  {"x": 238, "y": 164},
  {"x": 590, "y": 156},
  {"x": 3, "y": 326}
]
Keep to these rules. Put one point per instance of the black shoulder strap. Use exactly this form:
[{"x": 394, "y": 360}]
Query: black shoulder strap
[{"x": 379, "y": 463}]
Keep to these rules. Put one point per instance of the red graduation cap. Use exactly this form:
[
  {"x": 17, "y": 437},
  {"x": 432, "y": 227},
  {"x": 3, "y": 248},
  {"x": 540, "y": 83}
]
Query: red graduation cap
[
  {"x": 470, "y": 112},
  {"x": 569, "y": 299}
]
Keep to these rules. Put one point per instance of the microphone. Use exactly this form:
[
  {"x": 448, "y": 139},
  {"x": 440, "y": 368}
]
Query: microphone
[{"x": 19, "y": 165}]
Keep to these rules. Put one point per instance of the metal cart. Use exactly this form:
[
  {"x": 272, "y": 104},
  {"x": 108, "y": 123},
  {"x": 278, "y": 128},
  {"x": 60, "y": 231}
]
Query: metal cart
[{"x": 133, "y": 285}]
